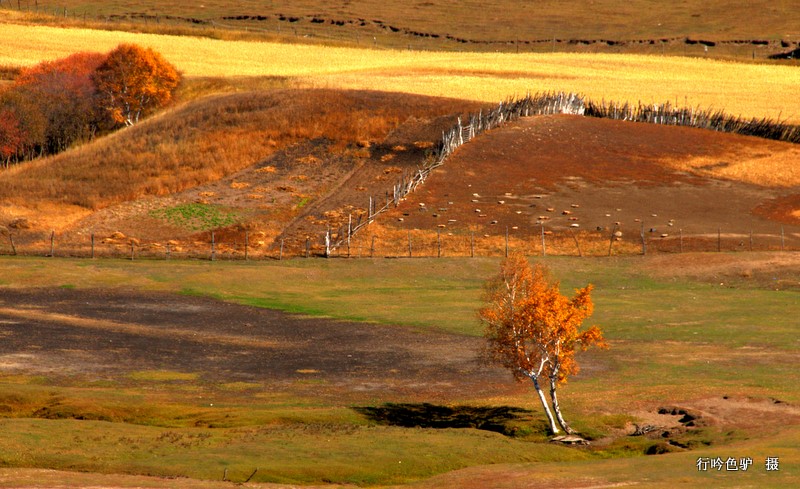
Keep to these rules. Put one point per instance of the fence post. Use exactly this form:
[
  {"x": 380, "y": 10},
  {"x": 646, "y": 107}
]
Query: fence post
[
  {"x": 280, "y": 253},
  {"x": 308, "y": 245},
  {"x": 472, "y": 245},
  {"x": 439, "y": 242},
  {"x": 166, "y": 256},
  {"x": 577, "y": 245},
  {"x": 13, "y": 248},
  {"x": 372, "y": 248},
  {"x": 644, "y": 242},
  {"x": 544, "y": 246},
  {"x": 719, "y": 240},
  {"x": 611, "y": 240},
  {"x": 132, "y": 251},
  {"x": 92, "y": 246},
  {"x": 328, "y": 243},
  {"x": 213, "y": 247},
  {"x": 246, "y": 244},
  {"x": 680, "y": 234},
  {"x": 52, "y": 244},
  {"x": 751, "y": 240},
  {"x": 349, "y": 232},
  {"x": 409, "y": 244}
]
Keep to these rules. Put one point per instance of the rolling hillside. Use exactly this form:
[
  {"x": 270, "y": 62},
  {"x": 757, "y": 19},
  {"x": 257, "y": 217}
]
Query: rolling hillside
[{"x": 286, "y": 165}]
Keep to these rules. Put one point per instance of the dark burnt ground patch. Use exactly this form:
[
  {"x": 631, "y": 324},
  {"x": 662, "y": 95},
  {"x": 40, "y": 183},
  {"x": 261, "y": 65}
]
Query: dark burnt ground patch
[{"x": 107, "y": 335}]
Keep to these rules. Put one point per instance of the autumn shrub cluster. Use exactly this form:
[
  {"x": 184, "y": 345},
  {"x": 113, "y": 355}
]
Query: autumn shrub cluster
[{"x": 55, "y": 104}]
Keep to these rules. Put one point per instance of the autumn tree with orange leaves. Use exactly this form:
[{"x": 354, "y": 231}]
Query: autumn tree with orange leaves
[
  {"x": 134, "y": 81},
  {"x": 534, "y": 331}
]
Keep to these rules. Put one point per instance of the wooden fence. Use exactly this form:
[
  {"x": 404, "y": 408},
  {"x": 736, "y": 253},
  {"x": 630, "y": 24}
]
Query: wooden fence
[
  {"x": 416, "y": 243},
  {"x": 715, "y": 120},
  {"x": 556, "y": 103},
  {"x": 462, "y": 132}
]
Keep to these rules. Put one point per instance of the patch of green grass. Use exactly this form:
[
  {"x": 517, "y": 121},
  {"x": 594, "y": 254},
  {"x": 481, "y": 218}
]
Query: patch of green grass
[
  {"x": 302, "y": 202},
  {"x": 672, "y": 340},
  {"x": 195, "y": 216},
  {"x": 162, "y": 376}
]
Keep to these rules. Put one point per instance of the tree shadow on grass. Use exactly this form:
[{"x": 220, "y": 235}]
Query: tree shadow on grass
[{"x": 504, "y": 419}]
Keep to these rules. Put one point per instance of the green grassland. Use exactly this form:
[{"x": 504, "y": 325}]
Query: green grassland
[{"x": 672, "y": 340}]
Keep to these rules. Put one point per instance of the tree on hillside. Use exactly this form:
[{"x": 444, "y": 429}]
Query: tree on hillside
[
  {"x": 12, "y": 135},
  {"x": 63, "y": 92},
  {"x": 534, "y": 331},
  {"x": 134, "y": 81},
  {"x": 23, "y": 128}
]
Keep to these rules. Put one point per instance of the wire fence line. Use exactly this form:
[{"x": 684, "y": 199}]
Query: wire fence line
[
  {"x": 558, "y": 103},
  {"x": 340, "y": 242},
  {"x": 417, "y": 243},
  {"x": 461, "y": 133}
]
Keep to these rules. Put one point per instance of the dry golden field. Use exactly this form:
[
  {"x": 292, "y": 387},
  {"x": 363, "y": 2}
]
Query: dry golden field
[{"x": 747, "y": 89}]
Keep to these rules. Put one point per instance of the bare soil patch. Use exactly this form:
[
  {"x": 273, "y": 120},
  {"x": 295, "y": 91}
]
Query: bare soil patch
[
  {"x": 591, "y": 175},
  {"x": 100, "y": 334}
]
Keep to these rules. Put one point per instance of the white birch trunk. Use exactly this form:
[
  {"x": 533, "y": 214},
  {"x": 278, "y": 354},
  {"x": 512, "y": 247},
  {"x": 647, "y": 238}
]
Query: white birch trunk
[
  {"x": 557, "y": 409},
  {"x": 553, "y": 428}
]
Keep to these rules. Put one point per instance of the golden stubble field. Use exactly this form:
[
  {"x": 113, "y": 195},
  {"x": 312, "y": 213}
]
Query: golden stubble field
[{"x": 751, "y": 90}]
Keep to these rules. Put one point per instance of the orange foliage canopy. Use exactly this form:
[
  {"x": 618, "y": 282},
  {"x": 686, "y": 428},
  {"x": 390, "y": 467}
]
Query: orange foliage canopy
[
  {"x": 134, "y": 81},
  {"x": 533, "y": 330},
  {"x": 62, "y": 92}
]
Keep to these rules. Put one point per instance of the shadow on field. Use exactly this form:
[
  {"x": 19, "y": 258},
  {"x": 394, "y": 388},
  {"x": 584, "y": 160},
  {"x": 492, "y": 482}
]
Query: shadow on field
[{"x": 504, "y": 419}]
